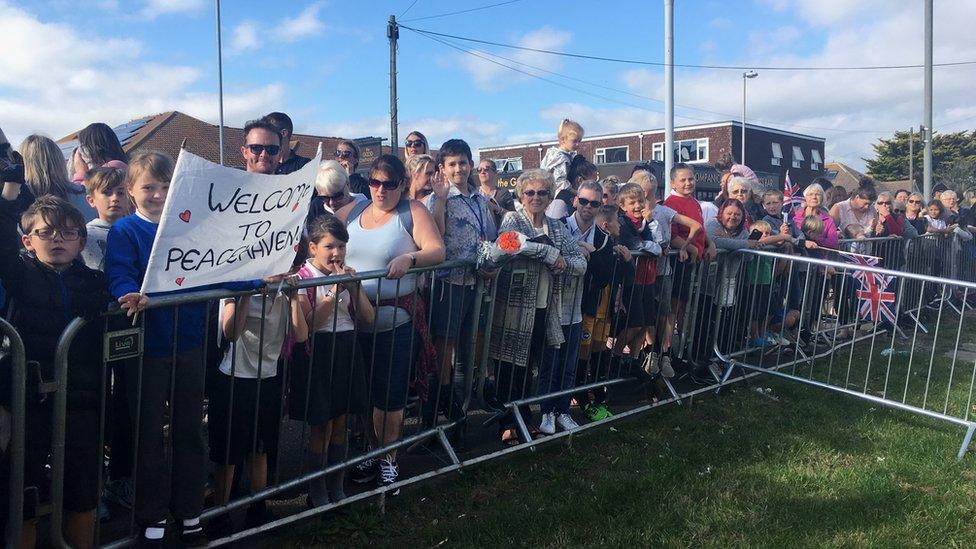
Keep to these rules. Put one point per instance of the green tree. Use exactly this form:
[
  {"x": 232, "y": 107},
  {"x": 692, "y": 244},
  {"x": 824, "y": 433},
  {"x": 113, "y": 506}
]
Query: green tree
[{"x": 953, "y": 158}]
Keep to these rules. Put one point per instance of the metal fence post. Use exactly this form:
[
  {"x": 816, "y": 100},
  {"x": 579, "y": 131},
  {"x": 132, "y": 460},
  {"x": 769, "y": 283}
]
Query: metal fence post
[{"x": 18, "y": 402}]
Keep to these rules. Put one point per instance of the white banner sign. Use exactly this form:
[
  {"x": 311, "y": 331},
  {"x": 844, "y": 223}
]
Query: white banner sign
[{"x": 222, "y": 224}]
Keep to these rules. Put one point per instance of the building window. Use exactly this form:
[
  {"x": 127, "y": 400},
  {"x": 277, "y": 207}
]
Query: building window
[
  {"x": 777, "y": 159},
  {"x": 612, "y": 155},
  {"x": 797, "y": 157},
  {"x": 691, "y": 151},
  {"x": 508, "y": 164},
  {"x": 816, "y": 161}
]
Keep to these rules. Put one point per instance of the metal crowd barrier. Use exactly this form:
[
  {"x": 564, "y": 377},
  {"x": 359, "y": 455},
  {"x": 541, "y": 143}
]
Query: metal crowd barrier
[
  {"x": 875, "y": 352},
  {"x": 12, "y": 348},
  {"x": 724, "y": 306}
]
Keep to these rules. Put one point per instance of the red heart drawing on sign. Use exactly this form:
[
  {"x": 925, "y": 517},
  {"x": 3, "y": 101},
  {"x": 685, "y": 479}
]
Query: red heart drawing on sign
[
  {"x": 179, "y": 280},
  {"x": 295, "y": 207},
  {"x": 185, "y": 216}
]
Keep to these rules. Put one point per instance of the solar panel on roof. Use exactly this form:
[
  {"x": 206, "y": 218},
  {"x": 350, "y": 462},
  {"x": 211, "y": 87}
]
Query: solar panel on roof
[{"x": 124, "y": 132}]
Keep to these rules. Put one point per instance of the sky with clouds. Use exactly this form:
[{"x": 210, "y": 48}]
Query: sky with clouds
[{"x": 326, "y": 63}]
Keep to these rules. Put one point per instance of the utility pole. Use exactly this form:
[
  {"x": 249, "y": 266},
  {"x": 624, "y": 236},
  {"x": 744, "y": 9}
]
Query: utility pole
[
  {"x": 668, "y": 94},
  {"x": 220, "y": 92},
  {"x": 927, "y": 136},
  {"x": 393, "y": 32},
  {"x": 745, "y": 76},
  {"x": 911, "y": 156}
]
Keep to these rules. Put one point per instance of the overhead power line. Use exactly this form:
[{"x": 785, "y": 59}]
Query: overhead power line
[
  {"x": 461, "y": 11},
  {"x": 488, "y": 57},
  {"x": 412, "y": 4},
  {"x": 686, "y": 65}
]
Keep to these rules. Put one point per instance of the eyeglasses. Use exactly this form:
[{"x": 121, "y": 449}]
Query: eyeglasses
[
  {"x": 387, "y": 185},
  {"x": 49, "y": 234},
  {"x": 344, "y": 154},
  {"x": 914, "y": 201},
  {"x": 584, "y": 202},
  {"x": 485, "y": 170},
  {"x": 414, "y": 143},
  {"x": 880, "y": 203},
  {"x": 531, "y": 193},
  {"x": 898, "y": 211},
  {"x": 256, "y": 150}
]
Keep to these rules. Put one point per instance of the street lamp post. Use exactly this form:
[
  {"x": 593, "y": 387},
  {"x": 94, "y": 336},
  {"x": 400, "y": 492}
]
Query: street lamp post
[{"x": 746, "y": 75}]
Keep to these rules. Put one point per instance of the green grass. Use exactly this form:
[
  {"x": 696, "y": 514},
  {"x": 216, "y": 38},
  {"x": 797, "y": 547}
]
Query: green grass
[{"x": 810, "y": 469}]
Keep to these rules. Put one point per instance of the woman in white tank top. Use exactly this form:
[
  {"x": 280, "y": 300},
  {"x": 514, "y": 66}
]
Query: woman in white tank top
[{"x": 396, "y": 234}]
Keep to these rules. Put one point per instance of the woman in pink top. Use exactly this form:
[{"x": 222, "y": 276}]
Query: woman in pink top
[{"x": 813, "y": 199}]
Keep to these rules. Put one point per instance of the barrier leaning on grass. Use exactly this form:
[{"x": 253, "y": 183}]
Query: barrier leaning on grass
[{"x": 727, "y": 304}]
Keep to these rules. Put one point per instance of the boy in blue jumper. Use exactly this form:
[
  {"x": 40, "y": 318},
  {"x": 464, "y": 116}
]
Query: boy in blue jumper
[{"x": 129, "y": 244}]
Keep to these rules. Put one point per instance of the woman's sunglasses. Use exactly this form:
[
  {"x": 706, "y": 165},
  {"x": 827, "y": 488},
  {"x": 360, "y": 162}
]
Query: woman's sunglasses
[
  {"x": 531, "y": 193},
  {"x": 414, "y": 143},
  {"x": 387, "y": 185}
]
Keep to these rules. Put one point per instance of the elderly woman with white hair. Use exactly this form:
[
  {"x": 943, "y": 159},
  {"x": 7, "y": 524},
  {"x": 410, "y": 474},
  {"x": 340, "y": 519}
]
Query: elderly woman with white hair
[
  {"x": 528, "y": 328},
  {"x": 331, "y": 190},
  {"x": 740, "y": 188}
]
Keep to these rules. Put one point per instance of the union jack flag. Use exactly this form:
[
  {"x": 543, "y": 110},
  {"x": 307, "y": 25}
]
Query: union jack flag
[
  {"x": 791, "y": 194},
  {"x": 872, "y": 289}
]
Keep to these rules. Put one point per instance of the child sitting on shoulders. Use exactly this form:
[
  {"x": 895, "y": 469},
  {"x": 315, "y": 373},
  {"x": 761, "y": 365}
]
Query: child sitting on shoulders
[{"x": 557, "y": 159}]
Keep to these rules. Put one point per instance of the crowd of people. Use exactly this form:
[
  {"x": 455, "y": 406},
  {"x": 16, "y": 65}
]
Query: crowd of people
[{"x": 557, "y": 285}]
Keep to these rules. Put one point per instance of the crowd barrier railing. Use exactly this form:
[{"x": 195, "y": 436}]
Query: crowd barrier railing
[
  {"x": 845, "y": 327},
  {"x": 722, "y": 304},
  {"x": 12, "y": 352}
]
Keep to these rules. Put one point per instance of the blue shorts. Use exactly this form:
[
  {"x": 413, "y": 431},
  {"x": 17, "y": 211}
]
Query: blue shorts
[
  {"x": 389, "y": 356},
  {"x": 451, "y": 306}
]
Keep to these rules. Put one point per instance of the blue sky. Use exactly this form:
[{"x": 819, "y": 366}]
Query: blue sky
[{"x": 326, "y": 63}]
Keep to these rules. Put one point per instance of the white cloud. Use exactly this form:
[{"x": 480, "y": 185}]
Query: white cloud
[
  {"x": 491, "y": 76},
  {"x": 88, "y": 78},
  {"x": 155, "y": 8},
  {"x": 304, "y": 25},
  {"x": 245, "y": 38},
  {"x": 839, "y": 101},
  {"x": 246, "y": 35}
]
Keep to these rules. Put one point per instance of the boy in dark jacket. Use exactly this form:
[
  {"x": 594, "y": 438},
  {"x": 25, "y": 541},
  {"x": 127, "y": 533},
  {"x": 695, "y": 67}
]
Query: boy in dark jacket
[{"x": 49, "y": 286}]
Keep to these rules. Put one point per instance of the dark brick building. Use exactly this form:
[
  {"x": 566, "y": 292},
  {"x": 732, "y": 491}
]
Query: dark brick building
[{"x": 769, "y": 152}]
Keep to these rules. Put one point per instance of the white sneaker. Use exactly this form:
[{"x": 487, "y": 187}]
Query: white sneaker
[
  {"x": 548, "y": 424},
  {"x": 566, "y": 422},
  {"x": 666, "y": 369},
  {"x": 651, "y": 364}
]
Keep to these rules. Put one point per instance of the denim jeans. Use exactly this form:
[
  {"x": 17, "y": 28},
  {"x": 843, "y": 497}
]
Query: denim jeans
[{"x": 557, "y": 372}]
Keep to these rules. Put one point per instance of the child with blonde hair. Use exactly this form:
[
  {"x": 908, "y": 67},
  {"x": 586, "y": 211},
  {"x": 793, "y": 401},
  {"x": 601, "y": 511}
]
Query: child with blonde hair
[{"x": 557, "y": 159}]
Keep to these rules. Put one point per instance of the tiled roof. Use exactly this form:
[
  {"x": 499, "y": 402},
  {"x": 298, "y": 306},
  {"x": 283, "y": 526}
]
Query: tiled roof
[
  {"x": 846, "y": 177},
  {"x": 167, "y": 131}
]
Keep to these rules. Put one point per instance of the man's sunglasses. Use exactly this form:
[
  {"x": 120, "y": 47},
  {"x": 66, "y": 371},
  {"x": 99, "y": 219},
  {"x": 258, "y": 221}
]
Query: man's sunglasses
[
  {"x": 584, "y": 202},
  {"x": 256, "y": 150},
  {"x": 414, "y": 143},
  {"x": 387, "y": 185},
  {"x": 531, "y": 193},
  {"x": 880, "y": 203},
  {"x": 343, "y": 154}
]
